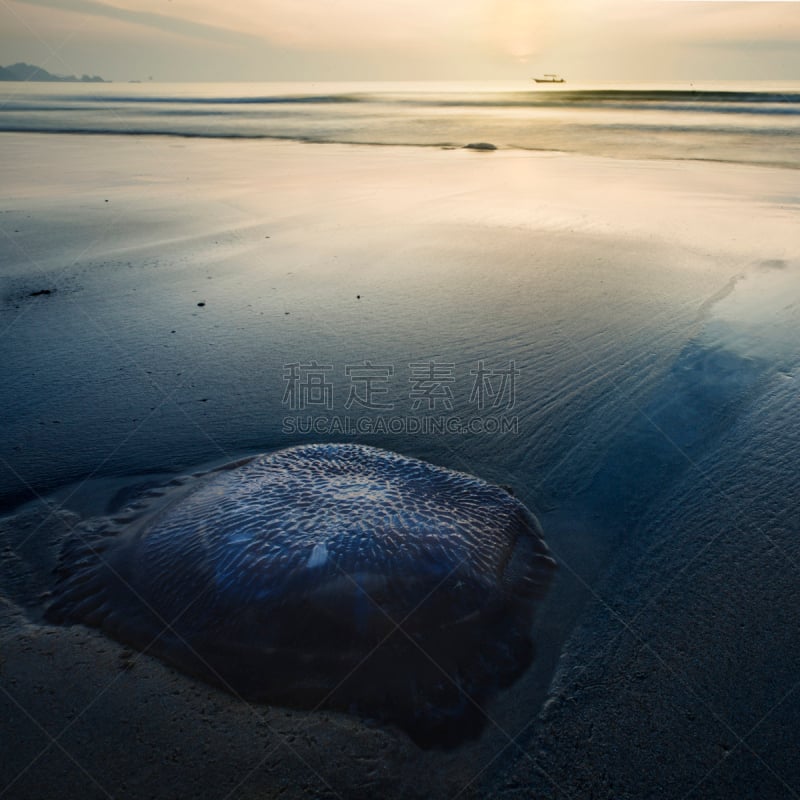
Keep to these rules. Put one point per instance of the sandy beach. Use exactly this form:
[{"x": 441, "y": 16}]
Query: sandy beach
[{"x": 154, "y": 291}]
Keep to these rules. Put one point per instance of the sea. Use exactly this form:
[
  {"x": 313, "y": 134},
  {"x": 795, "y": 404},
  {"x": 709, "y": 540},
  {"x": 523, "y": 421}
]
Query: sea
[{"x": 751, "y": 122}]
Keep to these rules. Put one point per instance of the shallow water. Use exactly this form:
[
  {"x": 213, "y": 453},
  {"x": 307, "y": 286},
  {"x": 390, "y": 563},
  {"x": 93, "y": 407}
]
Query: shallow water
[
  {"x": 508, "y": 319},
  {"x": 728, "y": 121}
]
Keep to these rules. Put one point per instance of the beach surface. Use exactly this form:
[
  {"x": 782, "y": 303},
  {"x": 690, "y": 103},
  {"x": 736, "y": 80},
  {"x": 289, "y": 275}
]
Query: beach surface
[{"x": 155, "y": 294}]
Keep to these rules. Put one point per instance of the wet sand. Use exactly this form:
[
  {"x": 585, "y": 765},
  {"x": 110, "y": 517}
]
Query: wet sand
[{"x": 650, "y": 307}]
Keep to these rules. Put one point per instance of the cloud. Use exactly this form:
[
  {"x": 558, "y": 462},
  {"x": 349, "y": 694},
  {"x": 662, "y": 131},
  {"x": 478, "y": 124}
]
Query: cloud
[
  {"x": 514, "y": 27},
  {"x": 404, "y": 39},
  {"x": 163, "y": 23}
]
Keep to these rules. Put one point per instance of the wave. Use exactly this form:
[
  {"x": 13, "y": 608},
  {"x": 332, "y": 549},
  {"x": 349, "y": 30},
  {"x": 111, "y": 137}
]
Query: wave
[
  {"x": 324, "y": 99},
  {"x": 613, "y": 98},
  {"x": 731, "y": 125},
  {"x": 322, "y": 138},
  {"x": 679, "y": 95}
]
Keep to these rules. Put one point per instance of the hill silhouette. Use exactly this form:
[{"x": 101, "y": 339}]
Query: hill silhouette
[{"x": 28, "y": 72}]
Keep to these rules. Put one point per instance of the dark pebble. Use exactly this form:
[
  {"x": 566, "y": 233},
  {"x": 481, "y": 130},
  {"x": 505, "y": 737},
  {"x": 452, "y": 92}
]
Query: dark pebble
[{"x": 480, "y": 146}]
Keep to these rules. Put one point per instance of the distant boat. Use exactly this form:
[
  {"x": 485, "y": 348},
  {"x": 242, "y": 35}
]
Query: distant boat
[{"x": 549, "y": 78}]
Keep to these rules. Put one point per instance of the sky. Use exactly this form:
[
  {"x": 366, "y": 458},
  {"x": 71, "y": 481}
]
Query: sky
[{"x": 342, "y": 40}]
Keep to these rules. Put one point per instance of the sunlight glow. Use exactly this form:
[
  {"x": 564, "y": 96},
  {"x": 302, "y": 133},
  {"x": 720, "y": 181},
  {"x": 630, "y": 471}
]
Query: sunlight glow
[{"x": 408, "y": 39}]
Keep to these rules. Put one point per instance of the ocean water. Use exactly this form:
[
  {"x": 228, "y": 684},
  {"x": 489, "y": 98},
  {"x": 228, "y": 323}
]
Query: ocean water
[{"x": 749, "y": 122}]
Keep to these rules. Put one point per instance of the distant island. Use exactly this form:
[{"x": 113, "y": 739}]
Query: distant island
[{"x": 28, "y": 72}]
